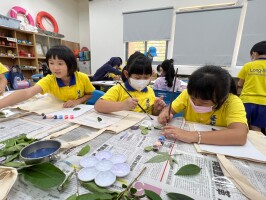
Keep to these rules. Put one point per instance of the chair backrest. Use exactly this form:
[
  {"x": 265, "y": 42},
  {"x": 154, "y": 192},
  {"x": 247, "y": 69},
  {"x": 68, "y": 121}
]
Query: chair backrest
[
  {"x": 167, "y": 99},
  {"x": 8, "y": 80},
  {"x": 166, "y": 94},
  {"x": 96, "y": 94}
]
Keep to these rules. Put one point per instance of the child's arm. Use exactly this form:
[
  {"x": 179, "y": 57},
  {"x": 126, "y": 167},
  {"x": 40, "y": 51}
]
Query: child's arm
[
  {"x": 20, "y": 95},
  {"x": 105, "y": 106},
  {"x": 236, "y": 134},
  {"x": 73, "y": 103},
  {"x": 3, "y": 83},
  {"x": 158, "y": 106}
]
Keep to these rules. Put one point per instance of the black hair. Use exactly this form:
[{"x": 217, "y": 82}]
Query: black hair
[
  {"x": 137, "y": 63},
  {"x": 168, "y": 68},
  {"x": 211, "y": 83},
  {"x": 158, "y": 68},
  {"x": 259, "y": 47},
  {"x": 63, "y": 53},
  {"x": 121, "y": 61}
]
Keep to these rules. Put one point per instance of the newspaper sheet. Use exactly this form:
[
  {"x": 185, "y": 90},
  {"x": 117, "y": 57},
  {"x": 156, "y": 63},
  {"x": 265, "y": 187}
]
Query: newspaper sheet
[
  {"x": 13, "y": 128},
  {"x": 254, "y": 172},
  {"x": 210, "y": 183}
]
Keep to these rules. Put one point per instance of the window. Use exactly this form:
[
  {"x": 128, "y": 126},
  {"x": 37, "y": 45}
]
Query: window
[{"x": 161, "y": 49}]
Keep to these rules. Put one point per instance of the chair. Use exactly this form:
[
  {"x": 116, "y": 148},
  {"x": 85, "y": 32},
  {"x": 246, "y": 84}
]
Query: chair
[
  {"x": 8, "y": 80},
  {"x": 167, "y": 95},
  {"x": 167, "y": 98},
  {"x": 96, "y": 94}
]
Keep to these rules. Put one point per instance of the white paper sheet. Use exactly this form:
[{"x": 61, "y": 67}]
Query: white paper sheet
[
  {"x": 246, "y": 151},
  {"x": 97, "y": 120},
  {"x": 70, "y": 111}
]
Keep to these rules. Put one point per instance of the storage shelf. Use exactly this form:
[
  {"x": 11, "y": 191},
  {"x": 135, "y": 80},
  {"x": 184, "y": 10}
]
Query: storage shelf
[
  {"x": 24, "y": 57},
  {"x": 8, "y": 46},
  {"x": 28, "y": 45},
  {"x": 14, "y": 35},
  {"x": 2, "y": 56}
]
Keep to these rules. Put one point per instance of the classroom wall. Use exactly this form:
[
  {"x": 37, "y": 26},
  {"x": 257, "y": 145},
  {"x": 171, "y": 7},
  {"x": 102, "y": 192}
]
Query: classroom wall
[
  {"x": 65, "y": 12},
  {"x": 106, "y": 25},
  {"x": 84, "y": 28}
]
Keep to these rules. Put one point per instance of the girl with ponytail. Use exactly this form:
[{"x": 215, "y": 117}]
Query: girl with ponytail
[{"x": 165, "y": 82}]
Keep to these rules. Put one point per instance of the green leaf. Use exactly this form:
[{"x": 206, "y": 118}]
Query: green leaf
[
  {"x": 95, "y": 196},
  {"x": 92, "y": 187},
  {"x": 124, "y": 185},
  {"x": 15, "y": 164},
  {"x": 72, "y": 197},
  {"x": 189, "y": 169},
  {"x": 158, "y": 159},
  {"x": 44, "y": 175},
  {"x": 77, "y": 108},
  {"x": 66, "y": 182},
  {"x": 84, "y": 150},
  {"x": 11, "y": 158},
  {"x": 158, "y": 127},
  {"x": 152, "y": 195},
  {"x": 174, "y": 160},
  {"x": 163, "y": 153},
  {"x": 148, "y": 148},
  {"x": 99, "y": 119},
  {"x": 144, "y": 131},
  {"x": 177, "y": 196},
  {"x": 133, "y": 190}
]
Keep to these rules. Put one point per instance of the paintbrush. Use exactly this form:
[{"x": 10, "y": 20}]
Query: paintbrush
[
  {"x": 172, "y": 95},
  {"x": 138, "y": 103}
]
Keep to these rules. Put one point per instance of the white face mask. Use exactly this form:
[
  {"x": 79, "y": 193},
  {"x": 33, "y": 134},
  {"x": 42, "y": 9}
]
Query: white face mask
[{"x": 138, "y": 84}]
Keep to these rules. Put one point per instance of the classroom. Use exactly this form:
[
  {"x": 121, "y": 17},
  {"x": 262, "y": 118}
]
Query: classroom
[{"x": 132, "y": 99}]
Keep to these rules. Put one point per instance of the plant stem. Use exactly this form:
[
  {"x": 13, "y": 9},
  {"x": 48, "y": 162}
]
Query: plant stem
[{"x": 129, "y": 186}]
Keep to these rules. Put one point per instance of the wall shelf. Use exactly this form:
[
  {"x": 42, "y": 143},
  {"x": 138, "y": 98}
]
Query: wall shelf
[{"x": 19, "y": 49}]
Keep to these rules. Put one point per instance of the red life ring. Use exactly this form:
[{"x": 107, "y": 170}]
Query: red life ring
[
  {"x": 16, "y": 9},
  {"x": 42, "y": 14}
]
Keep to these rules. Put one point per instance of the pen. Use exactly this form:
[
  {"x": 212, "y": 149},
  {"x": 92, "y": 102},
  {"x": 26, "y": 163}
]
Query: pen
[{"x": 138, "y": 103}]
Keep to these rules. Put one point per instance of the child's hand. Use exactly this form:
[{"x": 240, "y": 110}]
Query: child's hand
[
  {"x": 70, "y": 104},
  {"x": 2, "y": 90},
  {"x": 130, "y": 104},
  {"x": 164, "y": 116},
  {"x": 175, "y": 133},
  {"x": 159, "y": 103}
]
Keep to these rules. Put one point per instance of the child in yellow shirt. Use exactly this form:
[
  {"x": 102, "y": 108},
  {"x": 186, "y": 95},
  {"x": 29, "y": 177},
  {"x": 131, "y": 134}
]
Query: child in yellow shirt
[
  {"x": 252, "y": 77},
  {"x": 65, "y": 82},
  {"x": 137, "y": 75},
  {"x": 210, "y": 99},
  {"x": 3, "y": 80}
]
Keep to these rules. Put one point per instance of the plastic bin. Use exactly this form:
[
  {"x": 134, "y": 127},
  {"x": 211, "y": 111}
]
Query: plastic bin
[{"x": 9, "y": 22}]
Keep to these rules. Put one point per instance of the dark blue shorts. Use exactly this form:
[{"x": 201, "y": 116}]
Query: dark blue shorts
[{"x": 256, "y": 114}]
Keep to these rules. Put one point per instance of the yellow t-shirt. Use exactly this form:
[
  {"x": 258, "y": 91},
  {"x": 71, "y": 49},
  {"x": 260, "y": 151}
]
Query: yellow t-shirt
[
  {"x": 231, "y": 111},
  {"x": 79, "y": 86},
  {"x": 254, "y": 88},
  {"x": 145, "y": 99},
  {"x": 3, "y": 69}
]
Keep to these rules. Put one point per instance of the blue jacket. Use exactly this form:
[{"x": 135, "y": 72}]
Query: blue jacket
[{"x": 103, "y": 71}]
